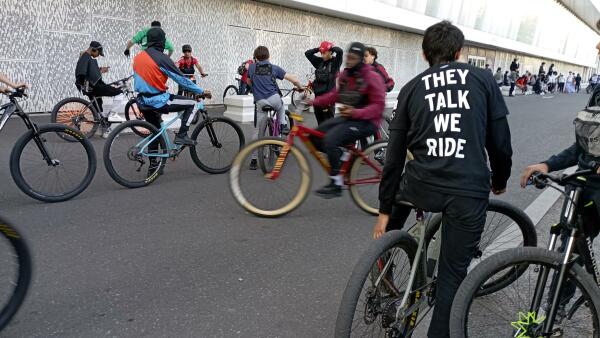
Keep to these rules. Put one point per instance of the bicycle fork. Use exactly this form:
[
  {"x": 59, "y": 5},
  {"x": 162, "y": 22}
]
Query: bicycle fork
[
  {"x": 568, "y": 215},
  {"x": 42, "y": 147},
  {"x": 419, "y": 231}
]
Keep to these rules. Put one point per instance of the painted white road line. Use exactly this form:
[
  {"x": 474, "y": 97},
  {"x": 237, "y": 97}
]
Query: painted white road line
[{"x": 536, "y": 210}]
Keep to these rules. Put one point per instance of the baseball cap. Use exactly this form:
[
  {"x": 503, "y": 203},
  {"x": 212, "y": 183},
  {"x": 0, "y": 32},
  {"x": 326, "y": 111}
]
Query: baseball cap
[{"x": 97, "y": 46}]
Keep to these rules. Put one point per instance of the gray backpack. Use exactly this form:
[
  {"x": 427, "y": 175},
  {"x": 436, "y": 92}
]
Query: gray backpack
[{"x": 587, "y": 130}]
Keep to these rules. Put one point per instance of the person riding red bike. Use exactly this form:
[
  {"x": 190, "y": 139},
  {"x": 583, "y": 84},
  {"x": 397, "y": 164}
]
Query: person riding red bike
[{"x": 361, "y": 91}]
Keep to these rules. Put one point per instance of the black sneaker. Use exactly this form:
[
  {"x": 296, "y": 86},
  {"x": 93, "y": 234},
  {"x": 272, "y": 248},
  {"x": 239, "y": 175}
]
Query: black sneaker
[
  {"x": 185, "y": 140},
  {"x": 331, "y": 190},
  {"x": 285, "y": 130},
  {"x": 253, "y": 164}
]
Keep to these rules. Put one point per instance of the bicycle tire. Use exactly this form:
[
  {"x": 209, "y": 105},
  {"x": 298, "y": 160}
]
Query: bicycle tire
[
  {"x": 524, "y": 224},
  {"x": 210, "y": 121},
  {"x": 108, "y": 165},
  {"x": 467, "y": 290},
  {"x": 64, "y": 117},
  {"x": 133, "y": 113},
  {"x": 361, "y": 271},
  {"x": 24, "y": 271},
  {"x": 17, "y": 173},
  {"x": 238, "y": 164},
  {"x": 227, "y": 89},
  {"x": 354, "y": 169},
  {"x": 265, "y": 129}
]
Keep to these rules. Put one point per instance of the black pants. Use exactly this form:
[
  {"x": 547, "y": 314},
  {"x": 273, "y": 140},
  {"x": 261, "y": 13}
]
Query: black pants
[
  {"x": 340, "y": 132},
  {"x": 102, "y": 89},
  {"x": 463, "y": 220},
  {"x": 561, "y": 87},
  {"x": 577, "y": 86},
  {"x": 176, "y": 103},
  {"x": 512, "y": 89},
  {"x": 324, "y": 113}
]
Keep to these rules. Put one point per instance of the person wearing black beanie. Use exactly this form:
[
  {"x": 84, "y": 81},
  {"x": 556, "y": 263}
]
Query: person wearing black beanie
[{"x": 361, "y": 92}]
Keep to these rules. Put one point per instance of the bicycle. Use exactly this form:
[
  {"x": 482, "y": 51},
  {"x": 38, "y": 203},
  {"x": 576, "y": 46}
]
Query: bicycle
[
  {"x": 17, "y": 267},
  {"x": 85, "y": 115},
  {"x": 359, "y": 169},
  {"x": 538, "y": 308},
  {"x": 234, "y": 90},
  {"x": 42, "y": 164},
  {"x": 126, "y": 151},
  {"x": 376, "y": 295}
]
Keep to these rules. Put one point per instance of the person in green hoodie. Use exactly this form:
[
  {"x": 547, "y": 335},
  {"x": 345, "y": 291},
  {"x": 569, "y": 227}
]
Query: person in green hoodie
[{"x": 140, "y": 39}]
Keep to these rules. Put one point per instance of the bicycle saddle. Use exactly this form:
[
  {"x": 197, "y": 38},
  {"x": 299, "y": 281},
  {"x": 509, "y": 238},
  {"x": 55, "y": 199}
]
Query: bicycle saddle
[
  {"x": 407, "y": 203},
  {"x": 267, "y": 108}
]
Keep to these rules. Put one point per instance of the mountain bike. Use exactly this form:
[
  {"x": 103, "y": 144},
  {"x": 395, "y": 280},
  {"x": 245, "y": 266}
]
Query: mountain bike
[
  {"x": 283, "y": 182},
  {"x": 554, "y": 296},
  {"x": 234, "y": 90},
  {"x": 392, "y": 286},
  {"x": 136, "y": 159},
  {"x": 86, "y": 116},
  {"x": 16, "y": 274},
  {"x": 42, "y": 164}
]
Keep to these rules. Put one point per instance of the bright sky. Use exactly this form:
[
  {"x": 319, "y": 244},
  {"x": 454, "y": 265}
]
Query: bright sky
[{"x": 596, "y": 3}]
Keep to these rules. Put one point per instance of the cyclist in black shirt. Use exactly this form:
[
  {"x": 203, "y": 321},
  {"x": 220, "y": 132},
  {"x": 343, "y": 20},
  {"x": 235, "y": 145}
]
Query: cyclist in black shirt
[
  {"x": 327, "y": 67},
  {"x": 448, "y": 117}
]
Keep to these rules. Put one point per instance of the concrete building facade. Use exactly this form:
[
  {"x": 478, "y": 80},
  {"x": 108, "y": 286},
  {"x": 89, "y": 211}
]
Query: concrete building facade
[{"x": 42, "y": 39}]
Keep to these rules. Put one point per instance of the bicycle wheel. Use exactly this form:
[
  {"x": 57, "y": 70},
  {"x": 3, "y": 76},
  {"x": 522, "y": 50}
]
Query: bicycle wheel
[
  {"x": 73, "y": 164},
  {"x": 508, "y": 313},
  {"x": 230, "y": 90},
  {"x": 77, "y": 113},
  {"x": 133, "y": 113},
  {"x": 16, "y": 275},
  {"x": 219, "y": 140},
  {"x": 365, "y": 174},
  {"x": 123, "y": 159},
  {"x": 506, "y": 227},
  {"x": 377, "y": 284},
  {"x": 263, "y": 196},
  {"x": 267, "y": 155}
]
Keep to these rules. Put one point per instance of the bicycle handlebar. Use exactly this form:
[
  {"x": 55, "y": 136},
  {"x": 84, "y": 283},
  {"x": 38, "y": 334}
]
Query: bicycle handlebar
[
  {"x": 123, "y": 80},
  {"x": 19, "y": 92},
  {"x": 540, "y": 180}
]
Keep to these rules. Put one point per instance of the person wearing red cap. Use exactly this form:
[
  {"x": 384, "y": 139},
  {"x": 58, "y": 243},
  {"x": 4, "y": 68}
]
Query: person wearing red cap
[{"x": 327, "y": 66}]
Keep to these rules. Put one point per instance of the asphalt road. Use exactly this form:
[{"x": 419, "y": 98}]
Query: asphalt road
[{"x": 180, "y": 259}]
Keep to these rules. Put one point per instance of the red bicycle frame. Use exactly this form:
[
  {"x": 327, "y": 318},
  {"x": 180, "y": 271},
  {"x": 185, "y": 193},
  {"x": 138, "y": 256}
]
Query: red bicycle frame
[{"x": 304, "y": 134}]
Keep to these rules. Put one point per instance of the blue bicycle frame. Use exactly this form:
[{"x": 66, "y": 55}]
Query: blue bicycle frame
[{"x": 145, "y": 143}]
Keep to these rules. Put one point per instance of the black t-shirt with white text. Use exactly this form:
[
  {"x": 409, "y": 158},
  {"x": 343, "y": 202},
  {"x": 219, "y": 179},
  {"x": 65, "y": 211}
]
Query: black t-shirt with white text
[{"x": 445, "y": 111}]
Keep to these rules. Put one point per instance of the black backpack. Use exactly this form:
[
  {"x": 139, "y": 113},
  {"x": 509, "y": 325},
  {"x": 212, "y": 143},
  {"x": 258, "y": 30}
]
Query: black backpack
[{"x": 242, "y": 68}]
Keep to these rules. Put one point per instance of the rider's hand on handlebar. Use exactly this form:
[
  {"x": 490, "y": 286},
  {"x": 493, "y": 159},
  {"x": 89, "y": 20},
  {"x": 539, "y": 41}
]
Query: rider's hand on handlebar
[
  {"x": 346, "y": 111},
  {"x": 5, "y": 90},
  {"x": 530, "y": 170}
]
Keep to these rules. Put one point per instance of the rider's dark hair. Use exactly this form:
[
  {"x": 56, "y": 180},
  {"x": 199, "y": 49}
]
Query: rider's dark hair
[
  {"x": 372, "y": 51},
  {"x": 261, "y": 53},
  {"x": 155, "y": 24},
  {"x": 441, "y": 42}
]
